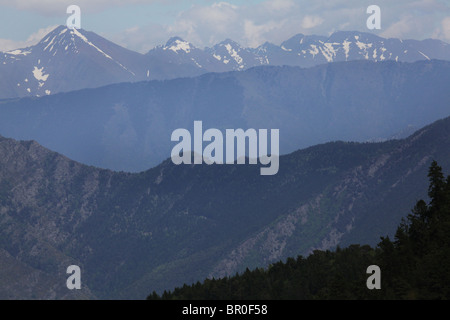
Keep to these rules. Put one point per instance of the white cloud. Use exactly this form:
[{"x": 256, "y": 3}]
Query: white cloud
[
  {"x": 280, "y": 5},
  {"x": 446, "y": 28},
  {"x": 277, "y": 20},
  {"x": 58, "y": 7},
  {"x": 140, "y": 39},
  {"x": 206, "y": 23},
  {"x": 7, "y": 44},
  {"x": 310, "y": 22},
  {"x": 257, "y": 34},
  {"x": 400, "y": 28},
  {"x": 443, "y": 31}
]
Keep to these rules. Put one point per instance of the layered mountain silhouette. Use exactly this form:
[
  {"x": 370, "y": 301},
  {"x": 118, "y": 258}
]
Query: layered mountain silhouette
[
  {"x": 128, "y": 126},
  {"x": 70, "y": 59},
  {"x": 135, "y": 233},
  {"x": 100, "y": 107}
]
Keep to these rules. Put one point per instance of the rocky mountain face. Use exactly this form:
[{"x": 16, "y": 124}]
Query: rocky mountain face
[
  {"x": 135, "y": 233},
  {"x": 66, "y": 59},
  {"x": 32, "y": 229},
  {"x": 308, "y": 51},
  {"x": 128, "y": 126}
]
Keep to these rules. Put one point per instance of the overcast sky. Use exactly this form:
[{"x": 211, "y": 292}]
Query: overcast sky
[{"x": 142, "y": 24}]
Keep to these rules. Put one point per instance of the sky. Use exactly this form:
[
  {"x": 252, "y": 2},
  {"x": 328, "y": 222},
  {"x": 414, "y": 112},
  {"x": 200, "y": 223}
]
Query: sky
[{"x": 141, "y": 25}]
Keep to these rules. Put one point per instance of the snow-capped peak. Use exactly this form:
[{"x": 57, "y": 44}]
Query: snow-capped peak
[
  {"x": 177, "y": 45},
  {"x": 63, "y": 39},
  {"x": 41, "y": 69},
  {"x": 227, "y": 51},
  {"x": 228, "y": 43}
]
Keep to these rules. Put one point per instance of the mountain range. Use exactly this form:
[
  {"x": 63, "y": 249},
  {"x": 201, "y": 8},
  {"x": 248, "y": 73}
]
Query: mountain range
[
  {"x": 83, "y": 119},
  {"x": 71, "y": 59},
  {"x": 128, "y": 126},
  {"x": 135, "y": 233}
]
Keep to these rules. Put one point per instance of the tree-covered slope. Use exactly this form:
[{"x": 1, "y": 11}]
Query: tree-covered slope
[
  {"x": 135, "y": 233},
  {"x": 413, "y": 266}
]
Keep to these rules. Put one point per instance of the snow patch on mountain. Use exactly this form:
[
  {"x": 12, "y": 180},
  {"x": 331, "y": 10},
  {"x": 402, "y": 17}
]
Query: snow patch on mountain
[
  {"x": 196, "y": 63},
  {"x": 314, "y": 50},
  {"x": 346, "y": 46},
  {"x": 233, "y": 53},
  {"x": 18, "y": 52},
  {"x": 39, "y": 74},
  {"x": 363, "y": 46},
  {"x": 49, "y": 44},
  {"x": 179, "y": 45},
  {"x": 179, "y": 58},
  {"x": 82, "y": 37},
  {"x": 328, "y": 51},
  {"x": 424, "y": 55}
]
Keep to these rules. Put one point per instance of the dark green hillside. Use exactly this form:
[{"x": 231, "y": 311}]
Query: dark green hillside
[
  {"x": 413, "y": 266},
  {"x": 155, "y": 230}
]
